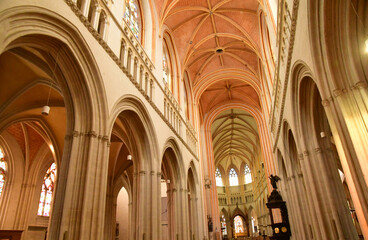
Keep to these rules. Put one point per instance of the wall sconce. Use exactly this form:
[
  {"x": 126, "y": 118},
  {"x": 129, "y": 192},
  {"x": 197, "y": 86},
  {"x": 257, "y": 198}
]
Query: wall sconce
[{"x": 129, "y": 157}]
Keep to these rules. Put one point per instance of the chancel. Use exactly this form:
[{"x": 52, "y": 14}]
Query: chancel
[{"x": 183, "y": 119}]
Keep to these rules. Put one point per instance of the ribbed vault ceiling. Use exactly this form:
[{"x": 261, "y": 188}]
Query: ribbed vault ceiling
[
  {"x": 213, "y": 34},
  {"x": 218, "y": 43},
  {"x": 235, "y": 138}
]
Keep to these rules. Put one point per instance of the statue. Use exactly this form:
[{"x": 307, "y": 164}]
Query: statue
[
  {"x": 210, "y": 224},
  {"x": 274, "y": 180}
]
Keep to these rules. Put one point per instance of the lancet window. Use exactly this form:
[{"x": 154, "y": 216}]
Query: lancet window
[
  {"x": 238, "y": 223},
  {"x": 48, "y": 187},
  {"x": 132, "y": 16},
  {"x": 218, "y": 178},
  {"x": 247, "y": 174},
  {"x": 3, "y": 171},
  {"x": 233, "y": 177},
  {"x": 166, "y": 67}
]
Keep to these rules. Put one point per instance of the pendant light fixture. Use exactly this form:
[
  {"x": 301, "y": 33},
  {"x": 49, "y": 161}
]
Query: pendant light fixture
[{"x": 46, "y": 108}]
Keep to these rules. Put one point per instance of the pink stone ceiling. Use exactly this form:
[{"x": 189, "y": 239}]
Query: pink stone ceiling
[{"x": 212, "y": 35}]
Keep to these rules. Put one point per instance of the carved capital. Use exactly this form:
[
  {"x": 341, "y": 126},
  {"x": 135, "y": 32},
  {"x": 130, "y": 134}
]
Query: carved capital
[
  {"x": 76, "y": 134},
  {"x": 317, "y": 150},
  {"x": 325, "y": 102},
  {"x": 360, "y": 85},
  {"x": 92, "y": 134}
]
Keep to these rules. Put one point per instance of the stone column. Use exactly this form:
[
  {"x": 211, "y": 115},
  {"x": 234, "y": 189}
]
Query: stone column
[
  {"x": 85, "y": 7},
  {"x": 95, "y": 15},
  {"x": 80, "y": 196},
  {"x": 155, "y": 200},
  {"x": 346, "y": 112}
]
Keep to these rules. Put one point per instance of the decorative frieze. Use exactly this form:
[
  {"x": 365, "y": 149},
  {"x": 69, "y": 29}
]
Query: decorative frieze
[{"x": 286, "y": 37}]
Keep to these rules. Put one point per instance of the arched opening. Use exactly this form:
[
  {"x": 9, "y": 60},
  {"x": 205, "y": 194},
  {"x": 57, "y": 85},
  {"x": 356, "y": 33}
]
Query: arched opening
[
  {"x": 240, "y": 226},
  {"x": 131, "y": 157},
  {"x": 298, "y": 192},
  {"x": 247, "y": 174},
  {"x": 192, "y": 205},
  {"x": 122, "y": 226},
  {"x": 170, "y": 182},
  {"x": 237, "y": 149},
  {"x": 31, "y": 135},
  {"x": 102, "y": 24},
  {"x": 218, "y": 178},
  {"x": 133, "y": 17},
  {"x": 125, "y": 161},
  {"x": 47, "y": 192},
  {"x": 254, "y": 223},
  {"x": 39, "y": 119},
  {"x": 233, "y": 177},
  {"x": 167, "y": 67},
  {"x": 337, "y": 214},
  {"x": 3, "y": 170}
]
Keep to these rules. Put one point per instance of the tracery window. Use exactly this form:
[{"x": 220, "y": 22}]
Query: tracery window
[
  {"x": 218, "y": 177},
  {"x": 223, "y": 225},
  {"x": 47, "y": 189},
  {"x": 238, "y": 223},
  {"x": 3, "y": 171},
  {"x": 186, "y": 103},
  {"x": 247, "y": 174},
  {"x": 132, "y": 16},
  {"x": 166, "y": 67},
  {"x": 233, "y": 177}
]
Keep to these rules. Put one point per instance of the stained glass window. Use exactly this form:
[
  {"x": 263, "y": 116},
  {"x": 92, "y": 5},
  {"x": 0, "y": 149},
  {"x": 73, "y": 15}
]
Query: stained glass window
[
  {"x": 247, "y": 174},
  {"x": 47, "y": 190},
  {"x": 223, "y": 225},
  {"x": 218, "y": 178},
  {"x": 166, "y": 67},
  {"x": 238, "y": 223},
  {"x": 233, "y": 177},
  {"x": 3, "y": 170},
  {"x": 132, "y": 17}
]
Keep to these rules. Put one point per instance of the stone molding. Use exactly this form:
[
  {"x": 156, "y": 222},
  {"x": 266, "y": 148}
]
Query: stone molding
[{"x": 148, "y": 63}]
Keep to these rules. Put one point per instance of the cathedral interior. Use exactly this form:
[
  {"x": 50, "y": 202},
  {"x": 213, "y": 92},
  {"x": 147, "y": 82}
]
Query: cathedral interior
[{"x": 177, "y": 119}]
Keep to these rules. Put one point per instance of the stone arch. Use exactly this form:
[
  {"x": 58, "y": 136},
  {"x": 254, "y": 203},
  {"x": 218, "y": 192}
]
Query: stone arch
[
  {"x": 14, "y": 157},
  {"x": 53, "y": 36},
  {"x": 227, "y": 173},
  {"x": 130, "y": 120},
  {"x": 291, "y": 150},
  {"x": 133, "y": 104},
  {"x": 172, "y": 145},
  {"x": 74, "y": 54},
  {"x": 238, "y": 212},
  {"x": 340, "y": 37},
  {"x": 324, "y": 157},
  {"x": 192, "y": 202},
  {"x": 172, "y": 180},
  {"x": 223, "y": 174},
  {"x": 337, "y": 48},
  {"x": 282, "y": 170}
]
